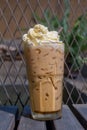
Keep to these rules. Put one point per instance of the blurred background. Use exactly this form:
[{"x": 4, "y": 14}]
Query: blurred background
[{"x": 16, "y": 17}]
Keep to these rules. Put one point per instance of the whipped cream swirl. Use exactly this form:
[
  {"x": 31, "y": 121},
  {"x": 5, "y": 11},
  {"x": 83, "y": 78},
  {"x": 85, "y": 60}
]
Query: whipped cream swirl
[{"x": 40, "y": 34}]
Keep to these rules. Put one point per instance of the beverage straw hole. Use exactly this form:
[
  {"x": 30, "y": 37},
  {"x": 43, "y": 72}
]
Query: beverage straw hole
[
  {"x": 38, "y": 51},
  {"x": 47, "y": 94},
  {"x": 61, "y": 59},
  {"x": 39, "y": 77},
  {"x": 32, "y": 59},
  {"x": 46, "y": 54},
  {"x": 53, "y": 57},
  {"x": 56, "y": 88},
  {"x": 56, "y": 98},
  {"x": 37, "y": 89},
  {"x": 60, "y": 67},
  {"x": 42, "y": 68},
  {"x": 32, "y": 81},
  {"x": 45, "y": 98}
]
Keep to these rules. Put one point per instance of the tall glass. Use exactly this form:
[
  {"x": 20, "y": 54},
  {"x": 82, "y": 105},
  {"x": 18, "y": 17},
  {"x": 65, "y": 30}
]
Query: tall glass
[{"x": 45, "y": 69}]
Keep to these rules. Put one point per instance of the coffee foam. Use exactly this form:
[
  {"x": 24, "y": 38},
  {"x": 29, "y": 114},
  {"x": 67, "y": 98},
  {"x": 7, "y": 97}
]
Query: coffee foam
[{"x": 40, "y": 35}]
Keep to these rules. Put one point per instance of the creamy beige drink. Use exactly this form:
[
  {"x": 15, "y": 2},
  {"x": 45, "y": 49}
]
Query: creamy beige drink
[{"x": 44, "y": 56}]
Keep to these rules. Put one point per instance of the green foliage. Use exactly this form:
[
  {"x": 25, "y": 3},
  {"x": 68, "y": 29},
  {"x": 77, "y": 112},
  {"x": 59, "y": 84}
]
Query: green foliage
[{"x": 76, "y": 39}]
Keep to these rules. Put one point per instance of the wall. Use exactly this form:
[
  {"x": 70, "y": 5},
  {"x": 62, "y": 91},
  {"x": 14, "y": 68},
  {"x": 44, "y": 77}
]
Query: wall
[{"x": 16, "y": 15}]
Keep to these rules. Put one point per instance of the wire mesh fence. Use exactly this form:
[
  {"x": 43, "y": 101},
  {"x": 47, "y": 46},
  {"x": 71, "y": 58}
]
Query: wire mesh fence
[{"x": 16, "y": 17}]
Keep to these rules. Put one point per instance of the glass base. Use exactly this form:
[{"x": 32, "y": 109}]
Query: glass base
[{"x": 47, "y": 116}]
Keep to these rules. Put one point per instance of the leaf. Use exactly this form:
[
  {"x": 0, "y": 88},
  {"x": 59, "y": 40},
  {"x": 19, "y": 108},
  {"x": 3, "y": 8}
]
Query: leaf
[
  {"x": 75, "y": 39},
  {"x": 55, "y": 22}
]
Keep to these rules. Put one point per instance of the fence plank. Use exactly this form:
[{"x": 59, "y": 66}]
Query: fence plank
[
  {"x": 10, "y": 109},
  {"x": 30, "y": 124},
  {"x": 80, "y": 111},
  {"x": 68, "y": 121},
  {"x": 7, "y": 121}
]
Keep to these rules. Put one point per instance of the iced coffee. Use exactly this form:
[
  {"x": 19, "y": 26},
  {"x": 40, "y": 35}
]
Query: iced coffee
[{"x": 44, "y": 56}]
